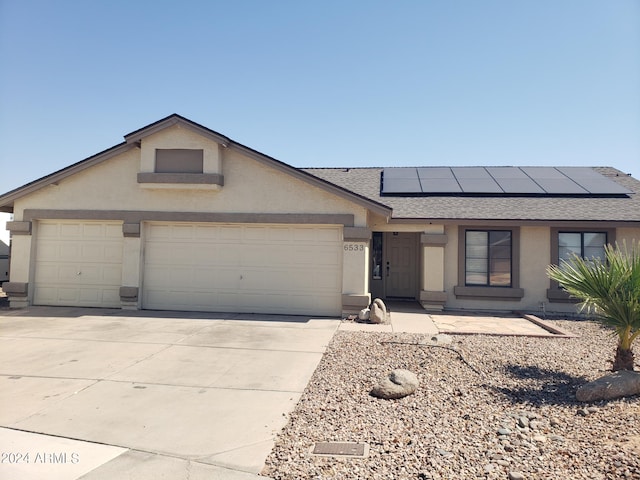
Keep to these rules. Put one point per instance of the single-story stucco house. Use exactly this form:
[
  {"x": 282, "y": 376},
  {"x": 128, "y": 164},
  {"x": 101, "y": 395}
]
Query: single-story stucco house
[{"x": 180, "y": 217}]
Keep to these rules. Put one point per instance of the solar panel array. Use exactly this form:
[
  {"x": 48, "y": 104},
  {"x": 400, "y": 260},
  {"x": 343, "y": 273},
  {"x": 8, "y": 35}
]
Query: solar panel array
[{"x": 498, "y": 181}]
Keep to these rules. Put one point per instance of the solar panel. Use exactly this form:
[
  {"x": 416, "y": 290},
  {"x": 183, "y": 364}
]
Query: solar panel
[
  {"x": 514, "y": 180},
  {"x": 400, "y": 172},
  {"x": 476, "y": 180},
  {"x": 553, "y": 181},
  {"x": 498, "y": 181},
  {"x": 438, "y": 180},
  {"x": 401, "y": 185},
  {"x": 592, "y": 181}
]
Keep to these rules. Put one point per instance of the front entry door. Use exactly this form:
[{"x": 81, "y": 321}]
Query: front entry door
[{"x": 401, "y": 264}]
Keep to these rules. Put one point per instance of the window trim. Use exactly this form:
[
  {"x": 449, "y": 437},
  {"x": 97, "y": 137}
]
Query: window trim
[
  {"x": 514, "y": 292},
  {"x": 554, "y": 293}
]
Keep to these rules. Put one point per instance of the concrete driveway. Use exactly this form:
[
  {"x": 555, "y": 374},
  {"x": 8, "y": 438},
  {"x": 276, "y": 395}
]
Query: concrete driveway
[{"x": 103, "y": 394}]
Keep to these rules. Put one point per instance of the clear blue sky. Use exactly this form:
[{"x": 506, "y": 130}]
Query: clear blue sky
[{"x": 325, "y": 83}]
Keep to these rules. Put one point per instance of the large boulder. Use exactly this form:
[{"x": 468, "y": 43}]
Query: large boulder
[
  {"x": 624, "y": 383},
  {"x": 397, "y": 384}
]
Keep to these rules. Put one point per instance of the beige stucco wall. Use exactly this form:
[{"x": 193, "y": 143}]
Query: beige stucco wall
[
  {"x": 535, "y": 256},
  {"x": 250, "y": 187},
  {"x": 628, "y": 235}
]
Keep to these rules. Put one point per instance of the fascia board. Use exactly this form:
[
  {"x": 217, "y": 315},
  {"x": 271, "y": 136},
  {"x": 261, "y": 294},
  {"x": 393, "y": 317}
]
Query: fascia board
[{"x": 7, "y": 199}]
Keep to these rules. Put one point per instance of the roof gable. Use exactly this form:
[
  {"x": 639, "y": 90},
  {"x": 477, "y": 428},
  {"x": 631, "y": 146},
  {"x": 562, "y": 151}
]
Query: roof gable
[{"x": 134, "y": 139}]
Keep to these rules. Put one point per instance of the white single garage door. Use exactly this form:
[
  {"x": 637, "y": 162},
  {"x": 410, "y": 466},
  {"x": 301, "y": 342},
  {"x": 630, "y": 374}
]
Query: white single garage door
[
  {"x": 78, "y": 263},
  {"x": 243, "y": 268}
]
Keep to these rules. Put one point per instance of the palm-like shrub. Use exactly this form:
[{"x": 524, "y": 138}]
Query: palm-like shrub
[{"x": 611, "y": 290}]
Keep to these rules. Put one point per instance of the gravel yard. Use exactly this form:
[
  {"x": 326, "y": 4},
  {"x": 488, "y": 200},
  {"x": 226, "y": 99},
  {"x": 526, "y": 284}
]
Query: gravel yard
[{"x": 515, "y": 419}]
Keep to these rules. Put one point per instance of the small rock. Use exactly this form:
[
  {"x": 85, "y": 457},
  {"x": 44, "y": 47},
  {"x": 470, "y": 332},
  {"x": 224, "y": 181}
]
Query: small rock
[
  {"x": 583, "y": 412},
  {"x": 442, "y": 339},
  {"x": 399, "y": 383},
  {"x": 504, "y": 431},
  {"x": 523, "y": 422},
  {"x": 444, "y": 453},
  {"x": 539, "y": 438},
  {"x": 516, "y": 476},
  {"x": 554, "y": 422}
]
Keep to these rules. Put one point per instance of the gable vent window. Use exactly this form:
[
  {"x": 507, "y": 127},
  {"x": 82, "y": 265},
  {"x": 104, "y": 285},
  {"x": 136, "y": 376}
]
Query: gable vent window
[{"x": 179, "y": 160}]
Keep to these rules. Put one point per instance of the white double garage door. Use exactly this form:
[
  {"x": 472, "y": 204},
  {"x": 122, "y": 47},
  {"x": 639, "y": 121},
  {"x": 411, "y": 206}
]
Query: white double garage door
[{"x": 263, "y": 268}]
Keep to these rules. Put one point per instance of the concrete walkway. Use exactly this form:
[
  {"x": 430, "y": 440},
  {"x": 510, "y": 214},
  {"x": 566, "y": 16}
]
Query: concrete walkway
[
  {"x": 102, "y": 394},
  {"x": 409, "y": 317}
]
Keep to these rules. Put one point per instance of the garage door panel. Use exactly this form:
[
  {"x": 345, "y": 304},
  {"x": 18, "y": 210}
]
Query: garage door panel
[
  {"x": 92, "y": 251},
  {"x": 229, "y": 233},
  {"x": 78, "y": 263},
  {"x": 64, "y": 251},
  {"x": 279, "y": 235},
  {"x": 168, "y": 254},
  {"x": 158, "y": 254},
  {"x": 255, "y": 234},
  {"x": 71, "y": 230},
  {"x": 93, "y": 230},
  {"x": 204, "y": 232},
  {"x": 46, "y": 273},
  {"x": 224, "y": 278},
  {"x": 230, "y": 255},
  {"x": 326, "y": 281},
  {"x": 68, "y": 295},
  {"x": 112, "y": 275},
  {"x": 247, "y": 268},
  {"x": 48, "y": 230},
  {"x": 205, "y": 276}
]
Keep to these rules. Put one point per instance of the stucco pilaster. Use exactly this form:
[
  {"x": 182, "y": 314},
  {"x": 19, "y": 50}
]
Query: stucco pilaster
[
  {"x": 21, "y": 254},
  {"x": 355, "y": 275},
  {"x": 432, "y": 294},
  {"x": 131, "y": 272}
]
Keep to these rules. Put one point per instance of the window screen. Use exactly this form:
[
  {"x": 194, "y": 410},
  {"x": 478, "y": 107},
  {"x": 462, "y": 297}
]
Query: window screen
[{"x": 179, "y": 160}]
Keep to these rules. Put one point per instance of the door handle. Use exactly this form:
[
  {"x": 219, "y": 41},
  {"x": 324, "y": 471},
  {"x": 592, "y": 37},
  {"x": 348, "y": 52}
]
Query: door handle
[{"x": 388, "y": 269}]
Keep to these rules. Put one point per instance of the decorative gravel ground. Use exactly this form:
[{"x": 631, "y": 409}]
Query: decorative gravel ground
[{"x": 515, "y": 419}]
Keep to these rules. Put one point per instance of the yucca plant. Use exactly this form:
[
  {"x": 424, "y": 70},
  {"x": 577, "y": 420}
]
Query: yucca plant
[{"x": 610, "y": 289}]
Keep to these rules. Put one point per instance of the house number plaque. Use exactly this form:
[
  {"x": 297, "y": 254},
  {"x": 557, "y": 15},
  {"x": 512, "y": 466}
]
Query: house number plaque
[{"x": 354, "y": 247}]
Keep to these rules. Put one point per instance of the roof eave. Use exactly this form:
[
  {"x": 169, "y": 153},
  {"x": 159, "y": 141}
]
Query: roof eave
[
  {"x": 7, "y": 200},
  {"x": 515, "y": 221}
]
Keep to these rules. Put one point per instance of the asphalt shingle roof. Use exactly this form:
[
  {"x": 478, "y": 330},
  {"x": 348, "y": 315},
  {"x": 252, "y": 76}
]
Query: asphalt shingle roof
[{"x": 366, "y": 182}]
